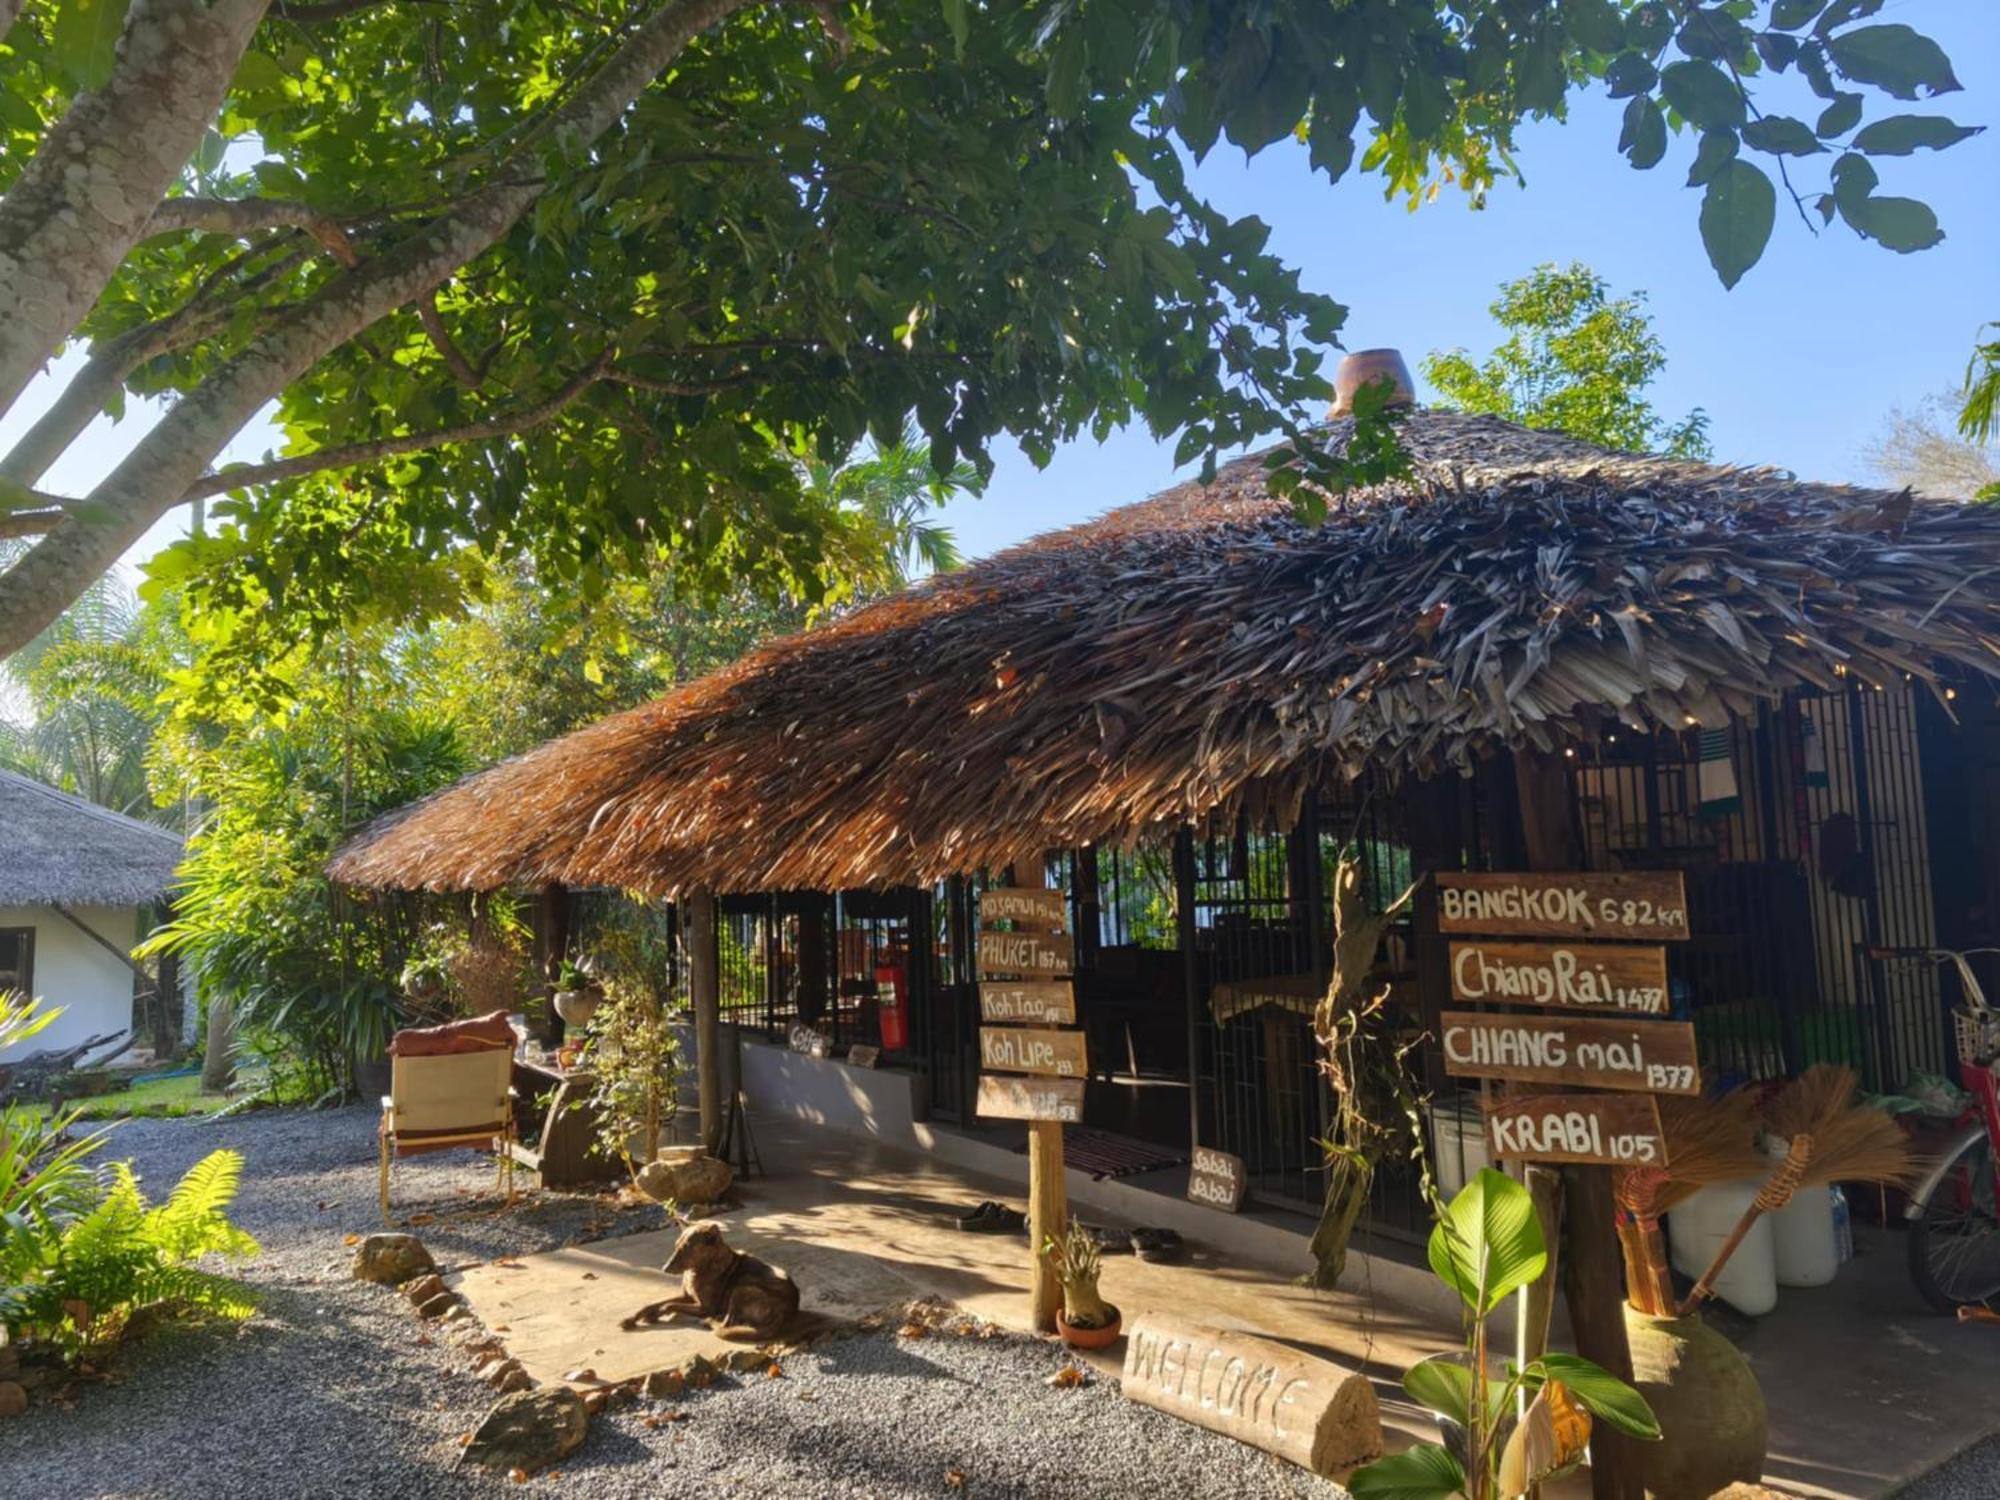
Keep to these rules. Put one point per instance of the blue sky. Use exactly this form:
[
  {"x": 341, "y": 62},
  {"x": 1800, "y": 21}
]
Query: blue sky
[{"x": 1797, "y": 366}]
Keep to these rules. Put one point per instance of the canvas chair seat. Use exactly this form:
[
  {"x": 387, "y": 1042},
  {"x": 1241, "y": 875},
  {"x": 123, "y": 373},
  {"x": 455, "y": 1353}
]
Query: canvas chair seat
[{"x": 442, "y": 1101}]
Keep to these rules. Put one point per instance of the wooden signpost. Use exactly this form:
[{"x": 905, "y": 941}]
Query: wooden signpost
[
  {"x": 1217, "y": 1179},
  {"x": 1024, "y": 973},
  {"x": 1566, "y": 976},
  {"x": 1654, "y": 1057}
]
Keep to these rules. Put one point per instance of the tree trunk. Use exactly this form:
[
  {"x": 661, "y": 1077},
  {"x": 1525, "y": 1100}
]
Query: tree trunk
[
  {"x": 705, "y": 990},
  {"x": 1347, "y": 1187},
  {"x": 81, "y": 204},
  {"x": 218, "y": 1063}
]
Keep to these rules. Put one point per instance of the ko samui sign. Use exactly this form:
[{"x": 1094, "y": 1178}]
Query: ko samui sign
[
  {"x": 1633, "y": 907},
  {"x": 1026, "y": 953},
  {"x": 1025, "y": 906},
  {"x": 1019, "y": 1049},
  {"x": 1033, "y": 1002},
  {"x": 1568, "y": 976},
  {"x": 1648, "y": 1056},
  {"x": 1614, "y": 1129}
]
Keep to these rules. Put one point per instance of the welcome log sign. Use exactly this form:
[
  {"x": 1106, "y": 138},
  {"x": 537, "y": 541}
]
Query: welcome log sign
[
  {"x": 1648, "y": 906},
  {"x": 1620, "y": 1130},
  {"x": 1565, "y": 976},
  {"x": 1646, "y": 1056},
  {"x": 1046, "y": 954}
]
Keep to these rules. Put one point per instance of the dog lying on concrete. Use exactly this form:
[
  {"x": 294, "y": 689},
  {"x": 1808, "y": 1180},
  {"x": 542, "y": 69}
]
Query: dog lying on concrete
[{"x": 739, "y": 1295}]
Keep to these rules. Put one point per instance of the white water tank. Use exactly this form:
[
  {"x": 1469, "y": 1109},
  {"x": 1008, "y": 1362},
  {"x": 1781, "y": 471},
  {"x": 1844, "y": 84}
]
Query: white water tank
[
  {"x": 1458, "y": 1142},
  {"x": 1696, "y": 1231},
  {"x": 1803, "y": 1237}
]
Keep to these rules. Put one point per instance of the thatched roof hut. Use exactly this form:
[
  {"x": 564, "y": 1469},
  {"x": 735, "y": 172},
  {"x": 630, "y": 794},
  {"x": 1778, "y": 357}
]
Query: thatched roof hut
[
  {"x": 1207, "y": 652},
  {"x": 60, "y": 850}
]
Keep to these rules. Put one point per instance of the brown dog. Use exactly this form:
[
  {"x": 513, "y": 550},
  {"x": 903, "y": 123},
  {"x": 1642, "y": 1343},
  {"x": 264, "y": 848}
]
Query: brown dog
[{"x": 740, "y": 1296}]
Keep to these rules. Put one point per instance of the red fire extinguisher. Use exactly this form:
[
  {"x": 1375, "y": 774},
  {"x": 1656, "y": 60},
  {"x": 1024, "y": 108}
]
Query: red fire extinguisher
[{"x": 890, "y": 980}]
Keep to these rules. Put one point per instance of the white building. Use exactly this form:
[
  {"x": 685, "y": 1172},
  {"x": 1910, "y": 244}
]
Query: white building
[{"x": 79, "y": 886}]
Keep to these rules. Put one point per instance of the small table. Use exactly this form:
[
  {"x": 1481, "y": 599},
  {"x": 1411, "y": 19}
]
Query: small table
[{"x": 562, "y": 1130}]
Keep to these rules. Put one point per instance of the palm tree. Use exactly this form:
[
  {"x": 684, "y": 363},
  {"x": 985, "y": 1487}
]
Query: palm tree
[{"x": 893, "y": 487}]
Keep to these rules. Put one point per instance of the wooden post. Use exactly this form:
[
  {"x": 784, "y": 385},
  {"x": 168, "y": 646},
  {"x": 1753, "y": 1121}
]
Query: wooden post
[
  {"x": 1048, "y": 1215},
  {"x": 1595, "y": 1264},
  {"x": 553, "y": 933},
  {"x": 705, "y": 991}
]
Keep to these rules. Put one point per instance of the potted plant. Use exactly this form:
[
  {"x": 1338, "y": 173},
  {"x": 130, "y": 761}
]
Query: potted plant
[
  {"x": 578, "y": 992},
  {"x": 1085, "y": 1320},
  {"x": 1486, "y": 1246}
]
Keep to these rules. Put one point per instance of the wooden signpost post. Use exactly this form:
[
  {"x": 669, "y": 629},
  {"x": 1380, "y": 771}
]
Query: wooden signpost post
[{"x": 1024, "y": 978}]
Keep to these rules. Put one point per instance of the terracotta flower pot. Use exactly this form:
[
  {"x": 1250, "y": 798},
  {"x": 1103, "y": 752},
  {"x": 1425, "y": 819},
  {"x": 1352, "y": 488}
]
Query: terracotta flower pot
[
  {"x": 1089, "y": 1338},
  {"x": 1713, "y": 1426}
]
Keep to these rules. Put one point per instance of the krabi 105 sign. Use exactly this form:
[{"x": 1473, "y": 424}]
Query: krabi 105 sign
[
  {"x": 1649, "y": 906},
  {"x": 1620, "y": 1130}
]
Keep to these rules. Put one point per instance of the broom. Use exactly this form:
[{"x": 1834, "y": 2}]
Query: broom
[
  {"x": 1829, "y": 1138},
  {"x": 1707, "y": 1140}
]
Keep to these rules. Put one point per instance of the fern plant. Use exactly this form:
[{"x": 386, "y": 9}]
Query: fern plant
[{"x": 121, "y": 1257}]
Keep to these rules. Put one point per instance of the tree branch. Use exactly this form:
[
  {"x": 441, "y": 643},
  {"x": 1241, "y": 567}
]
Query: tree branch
[
  {"x": 82, "y": 202},
  {"x": 18, "y": 523},
  {"x": 171, "y": 459},
  {"x": 463, "y": 370},
  {"x": 353, "y": 455},
  {"x": 240, "y": 216}
]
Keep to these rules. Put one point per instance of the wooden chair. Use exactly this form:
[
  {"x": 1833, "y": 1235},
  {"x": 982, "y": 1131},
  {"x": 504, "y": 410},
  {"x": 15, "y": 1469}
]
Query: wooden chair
[{"x": 436, "y": 1103}]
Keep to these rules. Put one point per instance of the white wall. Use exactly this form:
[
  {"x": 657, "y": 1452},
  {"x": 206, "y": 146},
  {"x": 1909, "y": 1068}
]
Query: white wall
[{"x": 76, "y": 973}]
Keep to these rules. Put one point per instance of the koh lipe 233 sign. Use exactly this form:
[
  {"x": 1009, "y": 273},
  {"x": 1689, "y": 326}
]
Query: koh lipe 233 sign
[
  {"x": 1020, "y": 1049},
  {"x": 1567, "y": 976},
  {"x": 1597, "y": 1129},
  {"x": 1649, "y": 1056},
  {"x": 1648, "y": 906}
]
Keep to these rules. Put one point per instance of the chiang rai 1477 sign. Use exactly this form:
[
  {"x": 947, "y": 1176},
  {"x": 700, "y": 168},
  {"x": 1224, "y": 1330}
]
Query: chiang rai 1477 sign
[{"x": 1565, "y": 976}]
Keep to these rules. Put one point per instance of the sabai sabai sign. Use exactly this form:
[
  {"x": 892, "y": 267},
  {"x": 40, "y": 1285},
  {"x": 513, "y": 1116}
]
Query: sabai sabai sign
[{"x": 1597, "y": 972}]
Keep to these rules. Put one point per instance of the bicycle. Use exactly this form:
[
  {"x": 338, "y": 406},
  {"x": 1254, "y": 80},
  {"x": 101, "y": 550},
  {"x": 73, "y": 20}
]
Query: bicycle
[{"x": 1953, "y": 1213}]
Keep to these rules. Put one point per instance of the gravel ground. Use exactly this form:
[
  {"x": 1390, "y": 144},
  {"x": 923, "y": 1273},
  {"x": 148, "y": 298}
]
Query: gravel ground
[
  {"x": 334, "y": 1389},
  {"x": 1973, "y": 1475}
]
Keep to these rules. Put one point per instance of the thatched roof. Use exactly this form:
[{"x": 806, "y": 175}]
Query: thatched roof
[
  {"x": 1206, "y": 650},
  {"x": 56, "y": 849}
]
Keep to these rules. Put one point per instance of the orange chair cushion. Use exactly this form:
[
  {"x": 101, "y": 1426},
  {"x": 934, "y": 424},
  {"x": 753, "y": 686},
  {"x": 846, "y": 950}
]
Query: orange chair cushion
[{"x": 475, "y": 1034}]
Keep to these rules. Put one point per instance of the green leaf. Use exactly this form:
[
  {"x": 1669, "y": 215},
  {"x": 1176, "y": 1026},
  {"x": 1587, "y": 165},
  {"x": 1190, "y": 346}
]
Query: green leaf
[
  {"x": 1893, "y": 58},
  {"x": 1629, "y": 74},
  {"x": 959, "y": 22},
  {"x": 1601, "y": 1393},
  {"x": 1842, "y": 11},
  {"x": 1596, "y": 24},
  {"x": 1425, "y": 1472},
  {"x": 1840, "y": 116},
  {"x": 1703, "y": 94},
  {"x": 1065, "y": 82},
  {"x": 1899, "y": 224},
  {"x": 1488, "y": 1244},
  {"x": 1442, "y": 1385},
  {"x": 1644, "y": 138},
  {"x": 86, "y": 37},
  {"x": 1717, "y": 150},
  {"x": 1790, "y": 15},
  {"x": 1781, "y": 135},
  {"x": 1899, "y": 135},
  {"x": 1737, "y": 212}
]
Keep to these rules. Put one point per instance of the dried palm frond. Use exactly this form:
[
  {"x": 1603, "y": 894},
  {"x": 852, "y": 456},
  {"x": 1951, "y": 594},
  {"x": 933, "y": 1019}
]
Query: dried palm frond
[
  {"x": 1211, "y": 652},
  {"x": 1851, "y": 1142}
]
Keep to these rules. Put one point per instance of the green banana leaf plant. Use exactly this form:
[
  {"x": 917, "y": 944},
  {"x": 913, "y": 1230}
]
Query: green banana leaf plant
[{"x": 1487, "y": 1244}]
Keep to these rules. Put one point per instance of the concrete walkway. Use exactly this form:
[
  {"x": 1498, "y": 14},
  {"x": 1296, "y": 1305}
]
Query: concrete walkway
[{"x": 1866, "y": 1389}]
